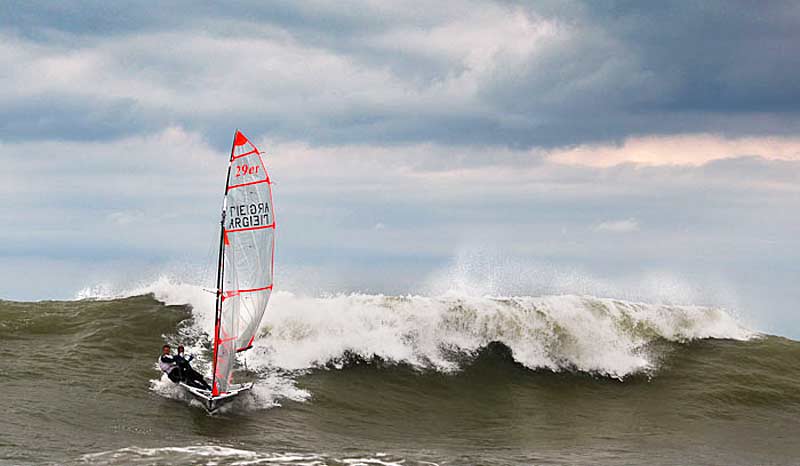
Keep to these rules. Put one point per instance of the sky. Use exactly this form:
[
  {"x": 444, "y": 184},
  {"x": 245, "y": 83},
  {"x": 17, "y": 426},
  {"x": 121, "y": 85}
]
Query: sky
[{"x": 635, "y": 150}]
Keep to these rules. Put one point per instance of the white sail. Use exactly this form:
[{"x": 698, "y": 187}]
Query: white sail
[
  {"x": 247, "y": 258},
  {"x": 226, "y": 326}
]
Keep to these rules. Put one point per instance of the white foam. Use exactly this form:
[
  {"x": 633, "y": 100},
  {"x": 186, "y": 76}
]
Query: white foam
[
  {"x": 206, "y": 451},
  {"x": 554, "y": 332},
  {"x": 603, "y": 336},
  {"x": 267, "y": 393},
  {"x": 98, "y": 291},
  {"x": 166, "y": 388},
  {"x": 232, "y": 456}
]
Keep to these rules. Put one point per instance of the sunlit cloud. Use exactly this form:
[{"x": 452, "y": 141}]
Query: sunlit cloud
[{"x": 681, "y": 149}]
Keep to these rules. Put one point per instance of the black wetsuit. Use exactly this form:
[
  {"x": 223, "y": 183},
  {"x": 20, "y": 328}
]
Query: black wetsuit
[
  {"x": 175, "y": 373},
  {"x": 189, "y": 375}
]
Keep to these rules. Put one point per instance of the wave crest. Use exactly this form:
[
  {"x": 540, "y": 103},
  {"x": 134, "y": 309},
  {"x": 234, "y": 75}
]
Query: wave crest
[{"x": 603, "y": 336}]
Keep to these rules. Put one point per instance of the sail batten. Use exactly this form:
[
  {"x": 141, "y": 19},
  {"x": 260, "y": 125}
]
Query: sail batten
[{"x": 247, "y": 247}]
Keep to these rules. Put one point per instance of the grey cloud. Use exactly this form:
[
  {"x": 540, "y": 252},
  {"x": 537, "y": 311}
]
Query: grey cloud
[
  {"x": 717, "y": 56},
  {"x": 612, "y": 69},
  {"x": 67, "y": 117}
]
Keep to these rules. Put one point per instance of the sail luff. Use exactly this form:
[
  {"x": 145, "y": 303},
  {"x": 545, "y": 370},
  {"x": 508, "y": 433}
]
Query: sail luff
[{"x": 220, "y": 274}]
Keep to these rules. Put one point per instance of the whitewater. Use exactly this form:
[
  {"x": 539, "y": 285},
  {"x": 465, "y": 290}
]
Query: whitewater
[{"x": 608, "y": 337}]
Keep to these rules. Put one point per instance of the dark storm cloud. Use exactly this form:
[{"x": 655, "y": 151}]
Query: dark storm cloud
[
  {"x": 714, "y": 55},
  {"x": 536, "y": 74}
]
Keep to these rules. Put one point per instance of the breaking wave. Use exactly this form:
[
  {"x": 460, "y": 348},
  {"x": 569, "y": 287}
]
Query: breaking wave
[{"x": 601, "y": 336}]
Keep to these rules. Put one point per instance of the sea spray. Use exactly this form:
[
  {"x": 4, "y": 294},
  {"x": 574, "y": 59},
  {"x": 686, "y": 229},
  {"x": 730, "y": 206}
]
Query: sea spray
[{"x": 596, "y": 335}]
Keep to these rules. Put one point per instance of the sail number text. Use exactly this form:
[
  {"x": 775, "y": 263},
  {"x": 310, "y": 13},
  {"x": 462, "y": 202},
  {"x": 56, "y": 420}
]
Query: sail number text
[{"x": 245, "y": 169}]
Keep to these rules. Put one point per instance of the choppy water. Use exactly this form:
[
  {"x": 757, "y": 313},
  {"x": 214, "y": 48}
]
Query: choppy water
[{"x": 363, "y": 379}]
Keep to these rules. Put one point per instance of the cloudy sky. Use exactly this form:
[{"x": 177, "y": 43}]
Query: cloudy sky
[{"x": 629, "y": 149}]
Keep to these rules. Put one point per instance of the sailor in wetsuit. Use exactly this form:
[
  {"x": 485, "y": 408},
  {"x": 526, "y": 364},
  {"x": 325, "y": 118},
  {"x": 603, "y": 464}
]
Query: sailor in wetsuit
[
  {"x": 189, "y": 375},
  {"x": 168, "y": 364}
]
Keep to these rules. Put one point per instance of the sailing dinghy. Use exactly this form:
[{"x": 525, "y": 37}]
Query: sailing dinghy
[{"x": 244, "y": 268}]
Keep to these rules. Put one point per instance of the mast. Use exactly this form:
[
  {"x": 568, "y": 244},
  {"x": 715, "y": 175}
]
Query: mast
[{"x": 220, "y": 271}]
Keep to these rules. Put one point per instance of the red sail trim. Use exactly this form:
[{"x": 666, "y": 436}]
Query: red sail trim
[
  {"x": 254, "y": 151},
  {"x": 240, "y": 139},
  {"x": 228, "y": 294},
  {"x": 269, "y": 287},
  {"x": 271, "y": 225},
  {"x": 232, "y": 293},
  {"x": 272, "y": 259},
  {"x": 215, "y": 389},
  {"x": 248, "y": 184},
  {"x": 249, "y": 345},
  {"x": 266, "y": 173}
]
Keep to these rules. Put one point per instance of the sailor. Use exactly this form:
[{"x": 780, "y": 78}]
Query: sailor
[
  {"x": 168, "y": 364},
  {"x": 190, "y": 376}
]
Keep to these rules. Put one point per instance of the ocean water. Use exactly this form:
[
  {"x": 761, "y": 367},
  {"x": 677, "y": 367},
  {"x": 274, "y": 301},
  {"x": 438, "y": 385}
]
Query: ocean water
[{"x": 357, "y": 379}]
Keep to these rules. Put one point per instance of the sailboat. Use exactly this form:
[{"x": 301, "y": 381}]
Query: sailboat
[{"x": 244, "y": 269}]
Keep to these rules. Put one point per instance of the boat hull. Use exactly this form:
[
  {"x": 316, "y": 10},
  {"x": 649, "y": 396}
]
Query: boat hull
[{"x": 212, "y": 403}]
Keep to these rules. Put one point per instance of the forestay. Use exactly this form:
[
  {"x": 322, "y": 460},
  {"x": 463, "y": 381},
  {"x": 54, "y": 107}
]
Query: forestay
[{"x": 247, "y": 253}]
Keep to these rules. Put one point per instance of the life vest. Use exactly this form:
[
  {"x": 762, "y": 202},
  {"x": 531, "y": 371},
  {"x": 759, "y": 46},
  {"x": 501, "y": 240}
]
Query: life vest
[{"x": 167, "y": 367}]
